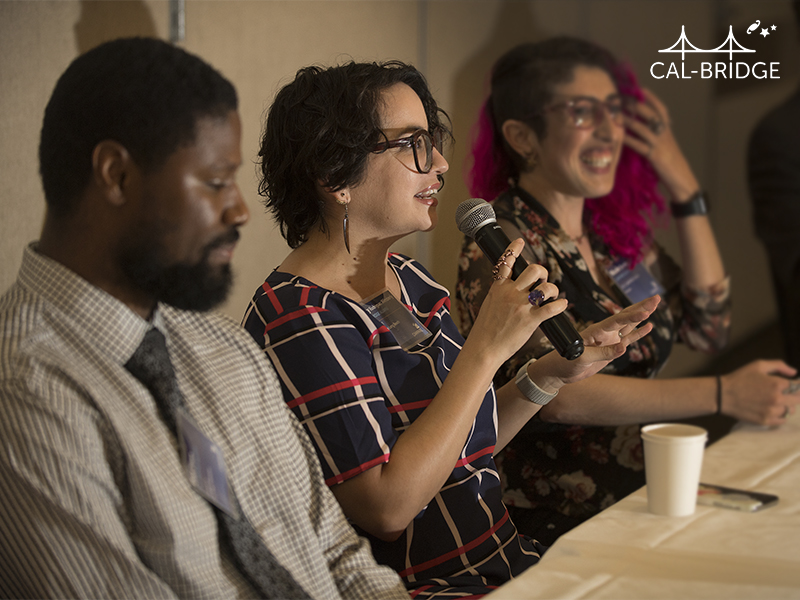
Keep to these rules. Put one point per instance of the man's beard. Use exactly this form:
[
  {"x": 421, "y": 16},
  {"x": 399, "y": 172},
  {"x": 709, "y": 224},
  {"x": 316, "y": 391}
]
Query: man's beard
[{"x": 199, "y": 286}]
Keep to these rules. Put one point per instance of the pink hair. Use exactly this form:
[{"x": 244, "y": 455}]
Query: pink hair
[{"x": 622, "y": 219}]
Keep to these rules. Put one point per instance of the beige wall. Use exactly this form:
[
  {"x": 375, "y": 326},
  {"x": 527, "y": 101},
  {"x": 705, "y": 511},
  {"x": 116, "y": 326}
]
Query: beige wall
[{"x": 260, "y": 44}]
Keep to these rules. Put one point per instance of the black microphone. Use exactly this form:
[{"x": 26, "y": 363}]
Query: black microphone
[{"x": 475, "y": 218}]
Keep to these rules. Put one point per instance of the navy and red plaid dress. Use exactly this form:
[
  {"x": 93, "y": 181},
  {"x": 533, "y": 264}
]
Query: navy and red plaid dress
[{"x": 356, "y": 390}]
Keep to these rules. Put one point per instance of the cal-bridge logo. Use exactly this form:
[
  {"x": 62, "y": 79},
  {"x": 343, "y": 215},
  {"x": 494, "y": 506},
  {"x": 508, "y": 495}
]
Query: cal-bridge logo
[{"x": 718, "y": 69}]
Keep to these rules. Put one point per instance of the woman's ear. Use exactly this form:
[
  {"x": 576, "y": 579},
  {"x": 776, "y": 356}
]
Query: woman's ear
[
  {"x": 111, "y": 166},
  {"x": 520, "y": 137},
  {"x": 340, "y": 196}
]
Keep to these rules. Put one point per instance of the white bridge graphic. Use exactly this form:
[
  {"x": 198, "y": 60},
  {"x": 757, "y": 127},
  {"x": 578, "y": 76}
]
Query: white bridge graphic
[{"x": 730, "y": 45}]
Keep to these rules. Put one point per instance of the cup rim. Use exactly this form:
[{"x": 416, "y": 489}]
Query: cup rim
[{"x": 689, "y": 433}]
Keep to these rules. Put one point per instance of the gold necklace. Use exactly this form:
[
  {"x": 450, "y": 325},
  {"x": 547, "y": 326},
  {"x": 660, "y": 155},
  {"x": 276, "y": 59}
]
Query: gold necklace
[{"x": 577, "y": 240}]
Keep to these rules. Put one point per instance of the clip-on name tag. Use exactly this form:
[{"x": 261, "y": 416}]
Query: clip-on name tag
[
  {"x": 401, "y": 322},
  {"x": 637, "y": 283},
  {"x": 204, "y": 464}
]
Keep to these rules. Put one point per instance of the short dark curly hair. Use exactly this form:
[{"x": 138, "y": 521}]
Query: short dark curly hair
[
  {"x": 144, "y": 93},
  {"x": 321, "y": 129}
]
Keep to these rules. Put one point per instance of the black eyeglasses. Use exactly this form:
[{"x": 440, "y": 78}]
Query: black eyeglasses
[
  {"x": 586, "y": 113},
  {"x": 422, "y": 142}
]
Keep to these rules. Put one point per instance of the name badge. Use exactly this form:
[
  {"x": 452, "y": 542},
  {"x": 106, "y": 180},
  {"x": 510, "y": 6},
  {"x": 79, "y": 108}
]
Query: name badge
[
  {"x": 401, "y": 322},
  {"x": 637, "y": 283},
  {"x": 204, "y": 464}
]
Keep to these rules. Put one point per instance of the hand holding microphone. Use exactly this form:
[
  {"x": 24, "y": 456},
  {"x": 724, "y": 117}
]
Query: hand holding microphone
[{"x": 475, "y": 217}]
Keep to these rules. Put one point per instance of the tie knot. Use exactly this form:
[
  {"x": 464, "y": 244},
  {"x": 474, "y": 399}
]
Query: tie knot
[
  {"x": 151, "y": 358},
  {"x": 151, "y": 365},
  {"x": 154, "y": 341}
]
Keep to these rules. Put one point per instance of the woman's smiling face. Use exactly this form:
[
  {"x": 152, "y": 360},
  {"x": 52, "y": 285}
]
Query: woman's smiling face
[{"x": 580, "y": 162}]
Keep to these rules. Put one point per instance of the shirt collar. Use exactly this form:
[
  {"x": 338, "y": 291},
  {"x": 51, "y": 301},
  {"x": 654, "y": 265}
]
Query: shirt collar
[{"x": 89, "y": 312}]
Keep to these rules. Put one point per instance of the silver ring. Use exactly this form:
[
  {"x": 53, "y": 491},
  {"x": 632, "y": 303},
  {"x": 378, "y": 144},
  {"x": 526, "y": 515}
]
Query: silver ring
[{"x": 793, "y": 387}]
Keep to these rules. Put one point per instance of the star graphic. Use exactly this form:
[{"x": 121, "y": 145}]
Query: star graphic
[
  {"x": 774, "y": 28},
  {"x": 764, "y": 32}
]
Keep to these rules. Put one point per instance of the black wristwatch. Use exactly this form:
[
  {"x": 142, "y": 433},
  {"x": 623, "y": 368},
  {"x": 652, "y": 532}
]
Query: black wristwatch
[{"x": 697, "y": 205}]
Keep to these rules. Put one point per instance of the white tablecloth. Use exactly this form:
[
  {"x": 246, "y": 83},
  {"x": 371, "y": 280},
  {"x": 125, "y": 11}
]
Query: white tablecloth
[{"x": 626, "y": 552}]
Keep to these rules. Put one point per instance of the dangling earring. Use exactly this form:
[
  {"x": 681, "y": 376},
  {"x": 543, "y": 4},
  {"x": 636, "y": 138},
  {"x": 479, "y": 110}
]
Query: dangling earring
[
  {"x": 345, "y": 223},
  {"x": 530, "y": 162}
]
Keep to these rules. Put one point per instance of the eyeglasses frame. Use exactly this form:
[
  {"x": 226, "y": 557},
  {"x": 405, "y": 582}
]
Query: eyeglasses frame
[
  {"x": 625, "y": 103},
  {"x": 435, "y": 140}
]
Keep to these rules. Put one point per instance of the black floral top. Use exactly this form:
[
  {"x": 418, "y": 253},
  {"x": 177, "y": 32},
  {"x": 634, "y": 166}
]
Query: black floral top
[{"x": 573, "y": 469}]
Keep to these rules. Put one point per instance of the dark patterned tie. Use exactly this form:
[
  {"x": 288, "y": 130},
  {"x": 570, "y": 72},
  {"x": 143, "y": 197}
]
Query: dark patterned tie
[{"x": 151, "y": 365}]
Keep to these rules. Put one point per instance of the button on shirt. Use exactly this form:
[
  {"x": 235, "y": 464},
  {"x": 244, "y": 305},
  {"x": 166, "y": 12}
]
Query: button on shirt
[{"x": 94, "y": 500}]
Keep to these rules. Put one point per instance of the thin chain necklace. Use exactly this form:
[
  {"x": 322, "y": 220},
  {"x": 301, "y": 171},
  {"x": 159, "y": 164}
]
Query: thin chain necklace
[{"x": 577, "y": 240}]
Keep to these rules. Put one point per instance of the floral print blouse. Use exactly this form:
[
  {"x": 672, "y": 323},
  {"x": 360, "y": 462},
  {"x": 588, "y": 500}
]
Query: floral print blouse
[{"x": 573, "y": 469}]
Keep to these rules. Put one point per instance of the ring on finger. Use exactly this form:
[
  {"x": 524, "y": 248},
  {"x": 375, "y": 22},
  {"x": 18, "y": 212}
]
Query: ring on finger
[
  {"x": 656, "y": 125},
  {"x": 502, "y": 259},
  {"x": 793, "y": 387},
  {"x": 496, "y": 271},
  {"x": 536, "y": 297},
  {"x": 501, "y": 262}
]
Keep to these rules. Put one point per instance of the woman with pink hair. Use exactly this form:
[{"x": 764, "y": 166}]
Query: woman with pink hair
[{"x": 572, "y": 151}]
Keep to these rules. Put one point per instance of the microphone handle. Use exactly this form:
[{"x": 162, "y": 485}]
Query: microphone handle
[{"x": 493, "y": 241}]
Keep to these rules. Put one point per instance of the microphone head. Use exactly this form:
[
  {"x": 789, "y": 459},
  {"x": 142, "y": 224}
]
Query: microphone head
[{"x": 473, "y": 214}]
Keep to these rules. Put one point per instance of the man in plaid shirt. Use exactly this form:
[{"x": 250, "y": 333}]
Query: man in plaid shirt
[{"x": 139, "y": 149}]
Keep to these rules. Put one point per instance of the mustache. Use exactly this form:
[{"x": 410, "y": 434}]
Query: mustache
[{"x": 229, "y": 237}]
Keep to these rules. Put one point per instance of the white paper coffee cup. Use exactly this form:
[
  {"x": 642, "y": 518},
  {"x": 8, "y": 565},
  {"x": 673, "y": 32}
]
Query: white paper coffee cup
[{"x": 673, "y": 457}]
